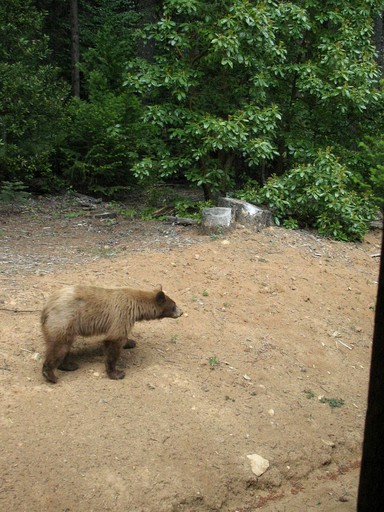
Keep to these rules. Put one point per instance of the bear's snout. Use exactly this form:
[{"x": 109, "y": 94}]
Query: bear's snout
[{"x": 177, "y": 312}]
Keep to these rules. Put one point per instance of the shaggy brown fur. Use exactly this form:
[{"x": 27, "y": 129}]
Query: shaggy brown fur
[{"x": 88, "y": 311}]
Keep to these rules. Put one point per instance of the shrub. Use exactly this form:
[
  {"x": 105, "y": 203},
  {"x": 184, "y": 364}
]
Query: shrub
[
  {"x": 13, "y": 192},
  {"x": 101, "y": 144},
  {"x": 320, "y": 195},
  {"x": 372, "y": 154}
]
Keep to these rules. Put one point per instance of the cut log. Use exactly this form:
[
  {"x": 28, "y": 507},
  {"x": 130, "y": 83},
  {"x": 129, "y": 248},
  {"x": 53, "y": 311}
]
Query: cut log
[
  {"x": 216, "y": 219},
  {"x": 247, "y": 213}
]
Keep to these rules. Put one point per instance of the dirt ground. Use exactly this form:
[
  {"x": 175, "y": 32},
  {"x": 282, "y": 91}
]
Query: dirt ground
[{"x": 271, "y": 358}]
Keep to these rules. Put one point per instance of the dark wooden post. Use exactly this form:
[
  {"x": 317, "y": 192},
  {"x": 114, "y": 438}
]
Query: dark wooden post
[{"x": 371, "y": 487}]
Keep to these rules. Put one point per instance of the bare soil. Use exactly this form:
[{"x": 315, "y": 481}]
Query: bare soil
[{"x": 271, "y": 358}]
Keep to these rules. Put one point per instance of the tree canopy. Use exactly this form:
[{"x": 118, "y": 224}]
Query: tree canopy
[{"x": 248, "y": 95}]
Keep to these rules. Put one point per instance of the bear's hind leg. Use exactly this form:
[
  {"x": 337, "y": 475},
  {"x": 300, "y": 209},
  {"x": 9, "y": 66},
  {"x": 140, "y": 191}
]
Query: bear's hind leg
[{"x": 56, "y": 355}]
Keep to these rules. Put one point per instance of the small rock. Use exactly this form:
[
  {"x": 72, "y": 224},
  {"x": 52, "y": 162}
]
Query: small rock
[
  {"x": 259, "y": 465},
  {"x": 271, "y": 412},
  {"x": 246, "y": 377}
]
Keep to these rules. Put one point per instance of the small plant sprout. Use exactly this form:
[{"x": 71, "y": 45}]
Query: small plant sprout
[{"x": 213, "y": 362}]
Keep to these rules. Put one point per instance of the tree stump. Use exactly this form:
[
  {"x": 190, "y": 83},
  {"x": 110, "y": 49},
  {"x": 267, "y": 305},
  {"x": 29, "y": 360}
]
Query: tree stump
[
  {"x": 215, "y": 220},
  {"x": 248, "y": 214}
]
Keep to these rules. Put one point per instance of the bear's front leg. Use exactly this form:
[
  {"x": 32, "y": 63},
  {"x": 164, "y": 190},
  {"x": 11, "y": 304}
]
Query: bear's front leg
[{"x": 113, "y": 348}]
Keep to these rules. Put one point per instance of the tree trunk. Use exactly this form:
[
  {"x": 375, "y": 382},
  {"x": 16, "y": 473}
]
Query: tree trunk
[
  {"x": 148, "y": 10},
  {"x": 371, "y": 488},
  {"x": 75, "y": 48},
  {"x": 207, "y": 192}
]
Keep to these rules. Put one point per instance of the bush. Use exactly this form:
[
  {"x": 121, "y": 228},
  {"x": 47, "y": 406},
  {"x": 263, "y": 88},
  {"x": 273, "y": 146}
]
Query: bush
[
  {"x": 372, "y": 155},
  {"x": 101, "y": 144},
  {"x": 13, "y": 192},
  {"x": 31, "y": 97},
  {"x": 320, "y": 195}
]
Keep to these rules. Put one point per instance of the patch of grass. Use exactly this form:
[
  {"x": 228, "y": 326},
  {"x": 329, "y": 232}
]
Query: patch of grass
[
  {"x": 191, "y": 209},
  {"x": 72, "y": 215},
  {"x": 216, "y": 236},
  {"x": 128, "y": 213},
  {"x": 205, "y": 293},
  {"x": 333, "y": 402},
  {"x": 147, "y": 213}
]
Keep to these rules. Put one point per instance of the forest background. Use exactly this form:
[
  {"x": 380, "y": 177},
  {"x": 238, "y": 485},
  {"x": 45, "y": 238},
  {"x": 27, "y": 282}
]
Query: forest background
[{"x": 277, "y": 102}]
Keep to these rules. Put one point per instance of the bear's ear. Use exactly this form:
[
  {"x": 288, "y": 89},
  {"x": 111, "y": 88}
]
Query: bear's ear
[{"x": 160, "y": 297}]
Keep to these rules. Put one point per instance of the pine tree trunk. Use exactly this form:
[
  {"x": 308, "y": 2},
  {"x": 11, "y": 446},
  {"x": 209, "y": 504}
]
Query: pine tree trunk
[{"x": 75, "y": 48}]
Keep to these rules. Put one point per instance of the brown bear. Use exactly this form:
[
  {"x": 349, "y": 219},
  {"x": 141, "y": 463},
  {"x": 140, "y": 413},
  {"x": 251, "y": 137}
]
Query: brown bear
[{"x": 90, "y": 310}]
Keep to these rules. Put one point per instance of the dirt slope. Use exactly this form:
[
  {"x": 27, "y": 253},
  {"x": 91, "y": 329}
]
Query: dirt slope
[{"x": 275, "y": 321}]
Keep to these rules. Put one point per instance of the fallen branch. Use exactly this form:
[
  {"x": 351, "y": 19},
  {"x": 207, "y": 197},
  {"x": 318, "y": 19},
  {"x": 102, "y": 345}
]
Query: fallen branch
[
  {"x": 20, "y": 310},
  {"x": 344, "y": 344},
  {"x": 163, "y": 211}
]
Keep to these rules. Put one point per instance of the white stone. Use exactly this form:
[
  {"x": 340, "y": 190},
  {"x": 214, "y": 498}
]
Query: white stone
[{"x": 259, "y": 465}]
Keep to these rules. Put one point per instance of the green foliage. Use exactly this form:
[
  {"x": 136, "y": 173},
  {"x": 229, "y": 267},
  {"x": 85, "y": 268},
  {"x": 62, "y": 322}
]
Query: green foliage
[
  {"x": 101, "y": 143},
  {"x": 320, "y": 195},
  {"x": 266, "y": 84},
  {"x": 334, "y": 403},
  {"x": 13, "y": 192},
  {"x": 106, "y": 42},
  {"x": 202, "y": 94},
  {"x": 214, "y": 362},
  {"x": 372, "y": 154},
  {"x": 190, "y": 208},
  {"x": 250, "y": 192},
  {"x": 104, "y": 135},
  {"x": 309, "y": 394},
  {"x": 31, "y": 97},
  {"x": 228, "y": 92},
  {"x": 128, "y": 213}
]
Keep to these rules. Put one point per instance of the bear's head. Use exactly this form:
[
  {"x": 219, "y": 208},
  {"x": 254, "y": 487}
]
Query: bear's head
[{"x": 168, "y": 308}]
